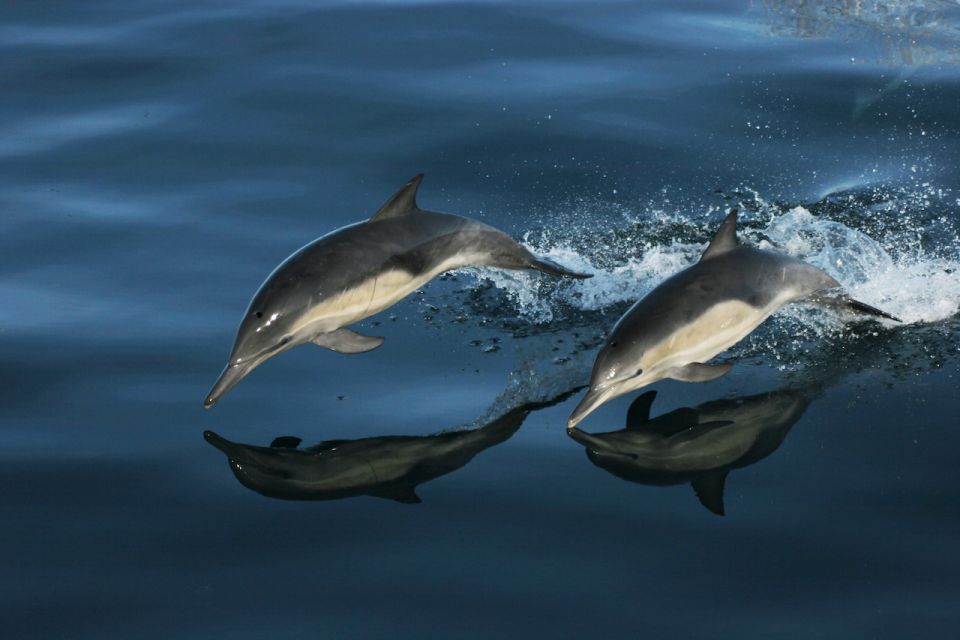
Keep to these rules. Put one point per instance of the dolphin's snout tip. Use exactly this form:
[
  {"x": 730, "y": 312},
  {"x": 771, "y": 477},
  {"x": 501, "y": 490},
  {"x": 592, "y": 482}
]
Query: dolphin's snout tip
[
  {"x": 213, "y": 397},
  {"x": 217, "y": 441},
  {"x": 214, "y": 439},
  {"x": 591, "y": 401},
  {"x": 232, "y": 374}
]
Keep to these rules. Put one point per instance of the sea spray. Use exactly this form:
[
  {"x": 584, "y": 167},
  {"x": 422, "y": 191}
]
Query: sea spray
[{"x": 895, "y": 248}]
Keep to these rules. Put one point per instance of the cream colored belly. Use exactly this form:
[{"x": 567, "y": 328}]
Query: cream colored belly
[
  {"x": 374, "y": 295},
  {"x": 721, "y": 327}
]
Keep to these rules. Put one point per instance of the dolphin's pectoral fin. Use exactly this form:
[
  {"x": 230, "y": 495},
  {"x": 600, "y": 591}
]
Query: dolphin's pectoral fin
[
  {"x": 405, "y": 493},
  {"x": 639, "y": 412},
  {"x": 285, "y": 442},
  {"x": 843, "y": 301},
  {"x": 699, "y": 372},
  {"x": 709, "y": 490},
  {"x": 347, "y": 341},
  {"x": 549, "y": 266}
]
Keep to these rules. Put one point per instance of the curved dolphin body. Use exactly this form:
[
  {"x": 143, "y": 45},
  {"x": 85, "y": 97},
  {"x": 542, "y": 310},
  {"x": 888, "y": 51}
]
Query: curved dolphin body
[
  {"x": 386, "y": 466},
  {"x": 358, "y": 271},
  {"x": 698, "y": 445},
  {"x": 701, "y": 311}
]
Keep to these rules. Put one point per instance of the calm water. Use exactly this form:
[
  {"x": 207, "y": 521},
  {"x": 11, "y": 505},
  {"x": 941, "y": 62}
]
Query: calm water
[{"x": 157, "y": 159}]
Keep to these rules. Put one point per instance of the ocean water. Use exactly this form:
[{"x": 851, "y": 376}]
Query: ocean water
[{"x": 158, "y": 159}]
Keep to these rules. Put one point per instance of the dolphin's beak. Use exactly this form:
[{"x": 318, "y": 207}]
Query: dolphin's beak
[
  {"x": 232, "y": 374},
  {"x": 584, "y": 438},
  {"x": 219, "y": 442},
  {"x": 593, "y": 399},
  {"x": 236, "y": 453}
]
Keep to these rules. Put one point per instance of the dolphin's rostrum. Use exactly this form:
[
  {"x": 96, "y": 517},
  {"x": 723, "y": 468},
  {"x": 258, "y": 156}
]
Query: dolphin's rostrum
[
  {"x": 359, "y": 270},
  {"x": 701, "y": 311}
]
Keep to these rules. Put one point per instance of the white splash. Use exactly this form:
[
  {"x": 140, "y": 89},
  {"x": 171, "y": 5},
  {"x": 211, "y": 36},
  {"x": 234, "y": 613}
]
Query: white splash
[
  {"x": 917, "y": 285},
  {"x": 914, "y": 286}
]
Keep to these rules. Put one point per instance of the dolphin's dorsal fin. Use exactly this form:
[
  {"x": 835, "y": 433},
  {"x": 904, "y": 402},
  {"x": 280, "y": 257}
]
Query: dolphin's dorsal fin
[
  {"x": 709, "y": 490},
  {"x": 402, "y": 203},
  {"x": 285, "y": 442},
  {"x": 404, "y": 493},
  {"x": 639, "y": 411},
  {"x": 726, "y": 238}
]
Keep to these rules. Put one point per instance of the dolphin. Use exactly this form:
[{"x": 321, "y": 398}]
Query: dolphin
[
  {"x": 701, "y": 311},
  {"x": 699, "y": 445},
  {"x": 385, "y": 466},
  {"x": 359, "y": 270},
  {"x": 388, "y": 467}
]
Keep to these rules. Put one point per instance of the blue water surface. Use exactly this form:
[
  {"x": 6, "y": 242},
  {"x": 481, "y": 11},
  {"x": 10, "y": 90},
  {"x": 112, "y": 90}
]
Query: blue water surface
[{"x": 158, "y": 159}]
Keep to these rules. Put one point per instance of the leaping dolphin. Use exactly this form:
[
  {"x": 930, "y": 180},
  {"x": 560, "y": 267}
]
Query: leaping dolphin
[
  {"x": 359, "y": 270},
  {"x": 701, "y": 311}
]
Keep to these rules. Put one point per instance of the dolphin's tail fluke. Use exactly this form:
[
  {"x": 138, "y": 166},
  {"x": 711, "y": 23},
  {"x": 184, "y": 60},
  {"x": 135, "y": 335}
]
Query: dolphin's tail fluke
[
  {"x": 864, "y": 308},
  {"x": 843, "y": 301},
  {"x": 549, "y": 266}
]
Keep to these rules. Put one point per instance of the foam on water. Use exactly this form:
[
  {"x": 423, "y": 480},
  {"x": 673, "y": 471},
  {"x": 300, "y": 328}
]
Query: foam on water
[
  {"x": 914, "y": 285},
  {"x": 537, "y": 300},
  {"x": 909, "y": 270}
]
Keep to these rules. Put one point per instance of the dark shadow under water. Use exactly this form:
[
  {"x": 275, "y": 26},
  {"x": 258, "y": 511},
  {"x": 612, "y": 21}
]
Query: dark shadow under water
[
  {"x": 698, "y": 445},
  {"x": 389, "y": 466}
]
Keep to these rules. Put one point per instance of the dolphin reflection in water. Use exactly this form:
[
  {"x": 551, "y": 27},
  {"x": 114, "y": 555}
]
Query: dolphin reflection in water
[
  {"x": 390, "y": 467},
  {"x": 698, "y": 445}
]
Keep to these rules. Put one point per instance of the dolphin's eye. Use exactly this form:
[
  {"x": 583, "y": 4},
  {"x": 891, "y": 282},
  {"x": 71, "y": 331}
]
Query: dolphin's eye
[
  {"x": 613, "y": 344},
  {"x": 259, "y": 314}
]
